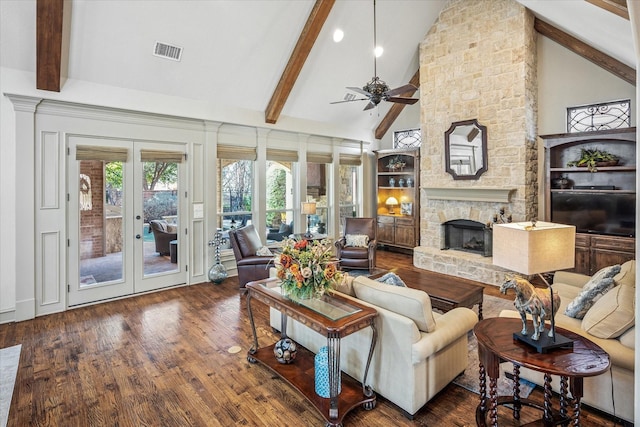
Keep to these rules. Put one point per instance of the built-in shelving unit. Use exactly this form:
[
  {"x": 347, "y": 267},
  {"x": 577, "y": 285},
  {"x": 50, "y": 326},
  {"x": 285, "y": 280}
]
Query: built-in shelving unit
[
  {"x": 398, "y": 177},
  {"x": 601, "y": 203}
]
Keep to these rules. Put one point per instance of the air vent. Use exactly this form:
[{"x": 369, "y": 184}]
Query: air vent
[{"x": 164, "y": 50}]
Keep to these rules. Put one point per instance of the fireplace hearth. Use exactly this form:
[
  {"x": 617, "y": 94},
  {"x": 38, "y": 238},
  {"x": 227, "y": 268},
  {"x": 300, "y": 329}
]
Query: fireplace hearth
[{"x": 467, "y": 235}]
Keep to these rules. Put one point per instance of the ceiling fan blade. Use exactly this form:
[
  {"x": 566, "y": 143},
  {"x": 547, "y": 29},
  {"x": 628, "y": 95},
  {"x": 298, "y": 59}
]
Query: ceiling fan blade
[
  {"x": 369, "y": 106},
  {"x": 402, "y": 89},
  {"x": 359, "y": 90},
  {"x": 402, "y": 100},
  {"x": 349, "y": 100}
]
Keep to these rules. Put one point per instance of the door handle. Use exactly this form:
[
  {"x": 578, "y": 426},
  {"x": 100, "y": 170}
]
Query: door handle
[
  {"x": 138, "y": 236},
  {"x": 137, "y": 216}
]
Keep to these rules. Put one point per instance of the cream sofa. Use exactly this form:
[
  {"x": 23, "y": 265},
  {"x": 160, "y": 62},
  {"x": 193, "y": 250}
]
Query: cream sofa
[
  {"x": 609, "y": 323},
  {"x": 418, "y": 352}
]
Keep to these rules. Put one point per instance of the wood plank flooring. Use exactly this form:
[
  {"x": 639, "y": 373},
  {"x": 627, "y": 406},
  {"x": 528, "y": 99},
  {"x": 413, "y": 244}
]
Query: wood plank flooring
[{"x": 167, "y": 359}]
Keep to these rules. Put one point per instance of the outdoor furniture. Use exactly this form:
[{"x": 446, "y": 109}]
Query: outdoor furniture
[
  {"x": 281, "y": 233},
  {"x": 163, "y": 234}
]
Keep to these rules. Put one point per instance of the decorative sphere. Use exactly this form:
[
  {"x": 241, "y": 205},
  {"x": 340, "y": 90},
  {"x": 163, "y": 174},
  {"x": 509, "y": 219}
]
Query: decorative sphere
[
  {"x": 285, "y": 350},
  {"x": 217, "y": 274}
]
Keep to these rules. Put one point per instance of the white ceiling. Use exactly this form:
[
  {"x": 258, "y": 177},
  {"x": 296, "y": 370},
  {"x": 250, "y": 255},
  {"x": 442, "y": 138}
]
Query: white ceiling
[{"x": 235, "y": 51}]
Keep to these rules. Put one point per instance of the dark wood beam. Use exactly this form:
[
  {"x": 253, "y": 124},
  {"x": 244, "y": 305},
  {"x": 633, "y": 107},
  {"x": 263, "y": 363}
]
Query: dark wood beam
[
  {"x": 619, "y": 7},
  {"x": 396, "y": 109},
  {"x": 626, "y": 73},
  {"x": 49, "y": 19},
  {"x": 307, "y": 38}
]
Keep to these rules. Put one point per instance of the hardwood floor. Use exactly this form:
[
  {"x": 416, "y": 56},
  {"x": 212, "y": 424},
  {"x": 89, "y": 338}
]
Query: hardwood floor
[{"x": 168, "y": 359}]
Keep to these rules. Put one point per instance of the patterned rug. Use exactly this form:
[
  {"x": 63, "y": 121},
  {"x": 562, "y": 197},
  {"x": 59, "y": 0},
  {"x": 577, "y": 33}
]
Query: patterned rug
[
  {"x": 469, "y": 379},
  {"x": 9, "y": 359}
]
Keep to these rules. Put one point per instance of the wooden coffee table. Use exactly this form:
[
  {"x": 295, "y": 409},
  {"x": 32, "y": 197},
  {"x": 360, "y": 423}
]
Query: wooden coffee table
[
  {"x": 447, "y": 292},
  {"x": 496, "y": 345}
]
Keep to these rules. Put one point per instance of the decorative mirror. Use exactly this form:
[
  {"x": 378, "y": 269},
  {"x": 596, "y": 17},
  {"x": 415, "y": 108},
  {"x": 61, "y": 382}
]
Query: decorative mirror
[{"x": 465, "y": 149}]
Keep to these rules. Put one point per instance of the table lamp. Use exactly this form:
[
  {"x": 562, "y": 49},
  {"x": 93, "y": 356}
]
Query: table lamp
[
  {"x": 534, "y": 248},
  {"x": 308, "y": 209},
  {"x": 391, "y": 202}
]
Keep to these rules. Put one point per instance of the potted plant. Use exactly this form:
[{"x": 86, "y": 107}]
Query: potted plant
[{"x": 593, "y": 157}]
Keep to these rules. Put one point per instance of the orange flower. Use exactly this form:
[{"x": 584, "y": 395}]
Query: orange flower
[
  {"x": 281, "y": 273},
  {"x": 286, "y": 260},
  {"x": 301, "y": 244},
  {"x": 330, "y": 271}
]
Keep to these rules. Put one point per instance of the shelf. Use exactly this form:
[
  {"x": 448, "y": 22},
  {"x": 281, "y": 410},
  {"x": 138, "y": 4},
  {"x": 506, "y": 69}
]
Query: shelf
[
  {"x": 396, "y": 188},
  {"x": 600, "y": 169},
  {"x": 587, "y": 190},
  {"x": 395, "y": 173}
]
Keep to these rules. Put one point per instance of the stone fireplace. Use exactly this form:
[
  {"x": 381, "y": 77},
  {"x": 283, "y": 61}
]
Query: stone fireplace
[
  {"x": 469, "y": 236},
  {"x": 478, "y": 61}
]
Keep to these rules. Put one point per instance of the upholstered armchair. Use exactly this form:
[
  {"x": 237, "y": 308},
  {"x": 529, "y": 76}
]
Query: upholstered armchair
[
  {"x": 246, "y": 243},
  {"x": 163, "y": 234},
  {"x": 357, "y": 248}
]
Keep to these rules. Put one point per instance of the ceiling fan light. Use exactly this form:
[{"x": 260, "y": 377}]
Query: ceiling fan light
[
  {"x": 338, "y": 35},
  {"x": 378, "y": 51}
]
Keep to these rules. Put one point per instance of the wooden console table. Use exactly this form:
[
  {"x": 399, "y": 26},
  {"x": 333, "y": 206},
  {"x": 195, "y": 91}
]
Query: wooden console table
[
  {"x": 496, "y": 345},
  {"x": 332, "y": 316}
]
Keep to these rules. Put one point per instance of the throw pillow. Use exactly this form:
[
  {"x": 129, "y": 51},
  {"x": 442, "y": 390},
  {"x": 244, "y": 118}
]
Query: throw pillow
[
  {"x": 599, "y": 284},
  {"x": 358, "y": 240},
  {"x": 284, "y": 228},
  {"x": 391, "y": 279},
  {"x": 346, "y": 285},
  {"x": 612, "y": 314},
  {"x": 627, "y": 275},
  {"x": 264, "y": 251},
  {"x": 628, "y": 339}
]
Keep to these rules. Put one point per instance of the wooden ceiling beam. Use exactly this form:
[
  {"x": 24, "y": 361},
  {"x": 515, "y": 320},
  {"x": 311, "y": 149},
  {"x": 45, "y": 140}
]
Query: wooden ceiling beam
[
  {"x": 49, "y": 23},
  {"x": 619, "y": 69},
  {"x": 619, "y": 7},
  {"x": 396, "y": 109},
  {"x": 307, "y": 38}
]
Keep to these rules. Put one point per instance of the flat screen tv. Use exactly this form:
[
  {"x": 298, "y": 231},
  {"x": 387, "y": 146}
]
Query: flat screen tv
[{"x": 596, "y": 212}]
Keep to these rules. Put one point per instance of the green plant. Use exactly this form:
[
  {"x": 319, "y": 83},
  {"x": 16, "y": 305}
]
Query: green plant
[{"x": 590, "y": 157}]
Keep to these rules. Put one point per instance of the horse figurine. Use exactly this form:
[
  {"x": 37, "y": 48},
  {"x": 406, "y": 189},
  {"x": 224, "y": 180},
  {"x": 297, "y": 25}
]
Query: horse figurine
[{"x": 532, "y": 300}]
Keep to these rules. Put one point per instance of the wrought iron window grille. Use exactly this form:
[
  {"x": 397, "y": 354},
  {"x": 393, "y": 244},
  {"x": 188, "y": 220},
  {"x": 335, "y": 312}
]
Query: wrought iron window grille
[{"x": 602, "y": 116}]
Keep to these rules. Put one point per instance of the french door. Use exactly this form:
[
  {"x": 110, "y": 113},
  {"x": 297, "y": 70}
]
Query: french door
[{"x": 125, "y": 200}]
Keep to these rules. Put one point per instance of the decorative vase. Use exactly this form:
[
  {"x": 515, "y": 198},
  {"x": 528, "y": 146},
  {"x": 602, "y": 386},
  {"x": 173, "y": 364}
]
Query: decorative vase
[
  {"x": 321, "y": 374},
  {"x": 401, "y": 183},
  {"x": 285, "y": 351},
  {"x": 409, "y": 182},
  {"x": 392, "y": 182}
]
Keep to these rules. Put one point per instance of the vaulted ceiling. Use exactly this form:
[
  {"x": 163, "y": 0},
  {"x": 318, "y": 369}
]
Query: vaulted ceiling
[{"x": 235, "y": 53}]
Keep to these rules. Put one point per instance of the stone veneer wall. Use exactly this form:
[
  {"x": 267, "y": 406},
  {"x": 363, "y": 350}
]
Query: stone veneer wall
[{"x": 478, "y": 61}]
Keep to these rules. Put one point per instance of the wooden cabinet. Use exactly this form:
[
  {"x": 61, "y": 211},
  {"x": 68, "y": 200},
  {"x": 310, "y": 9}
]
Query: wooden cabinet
[
  {"x": 398, "y": 178},
  {"x": 600, "y": 203}
]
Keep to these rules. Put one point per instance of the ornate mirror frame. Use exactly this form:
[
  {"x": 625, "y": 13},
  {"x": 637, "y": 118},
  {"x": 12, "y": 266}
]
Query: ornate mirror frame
[{"x": 465, "y": 149}]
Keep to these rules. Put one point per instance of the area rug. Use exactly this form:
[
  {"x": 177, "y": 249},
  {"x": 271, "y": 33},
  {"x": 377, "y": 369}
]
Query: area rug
[
  {"x": 9, "y": 359},
  {"x": 469, "y": 379}
]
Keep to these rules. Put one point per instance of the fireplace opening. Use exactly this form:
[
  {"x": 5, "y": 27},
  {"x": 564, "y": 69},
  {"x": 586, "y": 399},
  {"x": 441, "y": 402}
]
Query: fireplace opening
[{"x": 467, "y": 235}]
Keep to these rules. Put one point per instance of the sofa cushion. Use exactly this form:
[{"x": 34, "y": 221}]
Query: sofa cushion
[
  {"x": 599, "y": 284},
  {"x": 391, "y": 279},
  {"x": 357, "y": 240},
  {"x": 627, "y": 275},
  {"x": 264, "y": 251},
  {"x": 628, "y": 339},
  {"x": 612, "y": 314},
  {"x": 412, "y": 303},
  {"x": 346, "y": 285}
]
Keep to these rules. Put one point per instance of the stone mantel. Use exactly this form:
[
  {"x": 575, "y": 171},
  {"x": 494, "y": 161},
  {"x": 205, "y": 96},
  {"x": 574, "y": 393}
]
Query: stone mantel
[{"x": 469, "y": 194}]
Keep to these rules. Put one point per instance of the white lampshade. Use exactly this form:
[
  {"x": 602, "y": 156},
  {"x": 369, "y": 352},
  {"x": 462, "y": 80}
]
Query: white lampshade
[
  {"x": 309, "y": 208},
  {"x": 391, "y": 201},
  {"x": 528, "y": 249}
]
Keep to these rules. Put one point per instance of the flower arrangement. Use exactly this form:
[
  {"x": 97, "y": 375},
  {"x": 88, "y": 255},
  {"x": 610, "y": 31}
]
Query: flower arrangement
[
  {"x": 306, "y": 268},
  {"x": 396, "y": 163},
  {"x": 593, "y": 157}
]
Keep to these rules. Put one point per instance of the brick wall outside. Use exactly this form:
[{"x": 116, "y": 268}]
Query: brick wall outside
[{"x": 92, "y": 243}]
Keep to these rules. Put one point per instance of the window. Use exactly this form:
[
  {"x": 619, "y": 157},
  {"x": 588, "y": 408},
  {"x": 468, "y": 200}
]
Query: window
[
  {"x": 350, "y": 198},
  {"x": 235, "y": 195},
  {"x": 279, "y": 198}
]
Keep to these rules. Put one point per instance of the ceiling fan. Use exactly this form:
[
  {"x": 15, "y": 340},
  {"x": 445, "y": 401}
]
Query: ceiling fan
[{"x": 377, "y": 90}]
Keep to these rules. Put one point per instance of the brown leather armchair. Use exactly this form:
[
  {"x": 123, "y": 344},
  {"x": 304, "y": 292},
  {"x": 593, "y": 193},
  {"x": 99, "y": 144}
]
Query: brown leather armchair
[
  {"x": 245, "y": 243},
  {"x": 358, "y": 257},
  {"x": 163, "y": 234}
]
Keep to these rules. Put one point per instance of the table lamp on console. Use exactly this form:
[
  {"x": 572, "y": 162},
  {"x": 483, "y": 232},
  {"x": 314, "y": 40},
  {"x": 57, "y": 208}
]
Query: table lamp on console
[
  {"x": 532, "y": 248},
  {"x": 392, "y": 202},
  {"x": 308, "y": 209}
]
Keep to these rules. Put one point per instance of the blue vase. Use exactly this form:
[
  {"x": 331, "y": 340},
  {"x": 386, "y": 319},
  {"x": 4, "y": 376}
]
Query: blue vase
[
  {"x": 392, "y": 182},
  {"x": 321, "y": 365},
  {"x": 409, "y": 182}
]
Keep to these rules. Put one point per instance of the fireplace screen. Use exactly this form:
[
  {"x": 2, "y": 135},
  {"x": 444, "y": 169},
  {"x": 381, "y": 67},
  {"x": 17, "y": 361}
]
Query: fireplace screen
[{"x": 469, "y": 236}]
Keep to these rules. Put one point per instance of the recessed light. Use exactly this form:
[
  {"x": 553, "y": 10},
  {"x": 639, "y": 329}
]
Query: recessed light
[
  {"x": 338, "y": 35},
  {"x": 378, "y": 51}
]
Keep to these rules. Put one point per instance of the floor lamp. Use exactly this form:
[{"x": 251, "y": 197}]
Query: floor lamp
[
  {"x": 308, "y": 209},
  {"x": 534, "y": 248}
]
